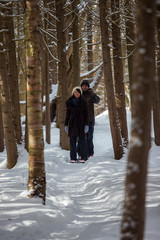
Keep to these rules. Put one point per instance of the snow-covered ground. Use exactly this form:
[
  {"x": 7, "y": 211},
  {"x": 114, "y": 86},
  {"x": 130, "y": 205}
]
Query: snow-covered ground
[{"x": 83, "y": 201}]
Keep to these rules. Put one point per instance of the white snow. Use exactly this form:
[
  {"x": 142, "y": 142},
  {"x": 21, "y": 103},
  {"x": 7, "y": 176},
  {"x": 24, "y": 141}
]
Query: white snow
[
  {"x": 136, "y": 141},
  {"x": 83, "y": 201}
]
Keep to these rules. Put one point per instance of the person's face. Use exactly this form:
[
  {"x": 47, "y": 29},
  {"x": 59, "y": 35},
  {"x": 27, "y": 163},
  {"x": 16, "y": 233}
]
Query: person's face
[
  {"x": 84, "y": 87},
  {"x": 76, "y": 94}
]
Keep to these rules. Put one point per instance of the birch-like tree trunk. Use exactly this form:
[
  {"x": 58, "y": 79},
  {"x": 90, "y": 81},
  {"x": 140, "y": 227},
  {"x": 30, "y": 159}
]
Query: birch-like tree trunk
[
  {"x": 118, "y": 70},
  {"x": 113, "y": 116},
  {"x": 133, "y": 219},
  {"x": 37, "y": 179}
]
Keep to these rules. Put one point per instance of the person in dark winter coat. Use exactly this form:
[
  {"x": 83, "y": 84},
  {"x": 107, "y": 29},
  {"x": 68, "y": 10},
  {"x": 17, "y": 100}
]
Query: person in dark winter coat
[
  {"x": 76, "y": 124},
  {"x": 91, "y": 99}
]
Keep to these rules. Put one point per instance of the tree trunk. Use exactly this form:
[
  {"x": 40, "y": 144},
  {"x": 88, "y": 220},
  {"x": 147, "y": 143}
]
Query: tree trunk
[
  {"x": 133, "y": 219},
  {"x": 37, "y": 179},
  {"x": 89, "y": 41},
  {"x": 158, "y": 52},
  {"x": 47, "y": 102},
  {"x": 26, "y": 127},
  {"x": 47, "y": 83},
  {"x": 75, "y": 32},
  {"x": 156, "y": 94},
  {"x": 1, "y": 129},
  {"x": 62, "y": 73},
  {"x": 10, "y": 142},
  {"x": 113, "y": 116},
  {"x": 156, "y": 112},
  {"x": 13, "y": 75},
  {"x": 118, "y": 70},
  {"x": 130, "y": 37}
]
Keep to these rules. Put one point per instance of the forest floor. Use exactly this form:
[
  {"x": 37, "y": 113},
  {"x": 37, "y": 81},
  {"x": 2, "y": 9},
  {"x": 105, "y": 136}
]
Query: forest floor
[{"x": 83, "y": 201}]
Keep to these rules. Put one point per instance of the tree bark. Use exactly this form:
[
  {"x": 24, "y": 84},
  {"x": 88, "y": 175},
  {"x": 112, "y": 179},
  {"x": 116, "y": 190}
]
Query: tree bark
[
  {"x": 13, "y": 75},
  {"x": 156, "y": 94},
  {"x": 37, "y": 179},
  {"x": 75, "y": 32},
  {"x": 62, "y": 73},
  {"x": 113, "y": 116},
  {"x": 89, "y": 41},
  {"x": 8, "y": 127},
  {"x": 130, "y": 37},
  {"x": 156, "y": 112},
  {"x": 1, "y": 130},
  {"x": 47, "y": 83},
  {"x": 133, "y": 219},
  {"x": 118, "y": 70}
]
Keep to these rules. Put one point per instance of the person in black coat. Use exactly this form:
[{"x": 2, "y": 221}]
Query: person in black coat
[
  {"x": 76, "y": 124},
  {"x": 91, "y": 97}
]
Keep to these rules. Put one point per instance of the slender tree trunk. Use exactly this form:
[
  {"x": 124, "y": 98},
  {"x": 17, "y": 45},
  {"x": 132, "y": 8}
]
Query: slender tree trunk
[
  {"x": 133, "y": 219},
  {"x": 156, "y": 94},
  {"x": 75, "y": 32},
  {"x": 118, "y": 69},
  {"x": 10, "y": 142},
  {"x": 37, "y": 179},
  {"x": 26, "y": 127},
  {"x": 89, "y": 41},
  {"x": 13, "y": 75},
  {"x": 156, "y": 112},
  {"x": 47, "y": 102},
  {"x": 113, "y": 116},
  {"x": 62, "y": 73},
  {"x": 158, "y": 52},
  {"x": 130, "y": 37},
  {"x": 47, "y": 84},
  {"x": 1, "y": 129},
  {"x": 21, "y": 58}
]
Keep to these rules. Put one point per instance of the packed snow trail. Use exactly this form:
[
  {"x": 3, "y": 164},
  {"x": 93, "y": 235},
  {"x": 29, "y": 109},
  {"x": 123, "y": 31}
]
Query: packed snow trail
[{"x": 83, "y": 201}]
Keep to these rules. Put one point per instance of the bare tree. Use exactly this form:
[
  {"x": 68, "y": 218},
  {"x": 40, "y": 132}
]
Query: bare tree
[
  {"x": 156, "y": 87},
  {"x": 37, "y": 180},
  {"x": 90, "y": 39},
  {"x": 130, "y": 7},
  {"x": 133, "y": 219},
  {"x": 62, "y": 72},
  {"x": 8, "y": 127},
  {"x": 113, "y": 116},
  {"x": 75, "y": 37},
  {"x": 13, "y": 73},
  {"x": 118, "y": 69}
]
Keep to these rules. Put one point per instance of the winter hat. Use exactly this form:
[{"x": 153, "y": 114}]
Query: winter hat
[
  {"x": 78, "y": 89},
  {"x": 85, "y": 82}
]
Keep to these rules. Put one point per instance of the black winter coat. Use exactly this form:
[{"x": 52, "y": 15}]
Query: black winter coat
[
  {"x": 91, "y": 97},
  {"x": 76, "y": 117}
]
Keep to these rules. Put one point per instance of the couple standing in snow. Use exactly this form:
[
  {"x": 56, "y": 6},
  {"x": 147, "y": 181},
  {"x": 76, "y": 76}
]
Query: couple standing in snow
[{"x": 79, "y": 122}]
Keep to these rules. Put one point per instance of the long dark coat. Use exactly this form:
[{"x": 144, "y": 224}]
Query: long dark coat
[
  {"x": 91, "y": 97},
  {"x": 76, "y": 117}
]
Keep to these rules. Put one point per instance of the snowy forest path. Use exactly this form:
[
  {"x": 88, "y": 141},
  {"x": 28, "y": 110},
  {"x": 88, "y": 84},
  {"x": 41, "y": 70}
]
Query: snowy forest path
[
  {"x": 83, "y": 201},
  {"x": 84, "y": 194}
]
